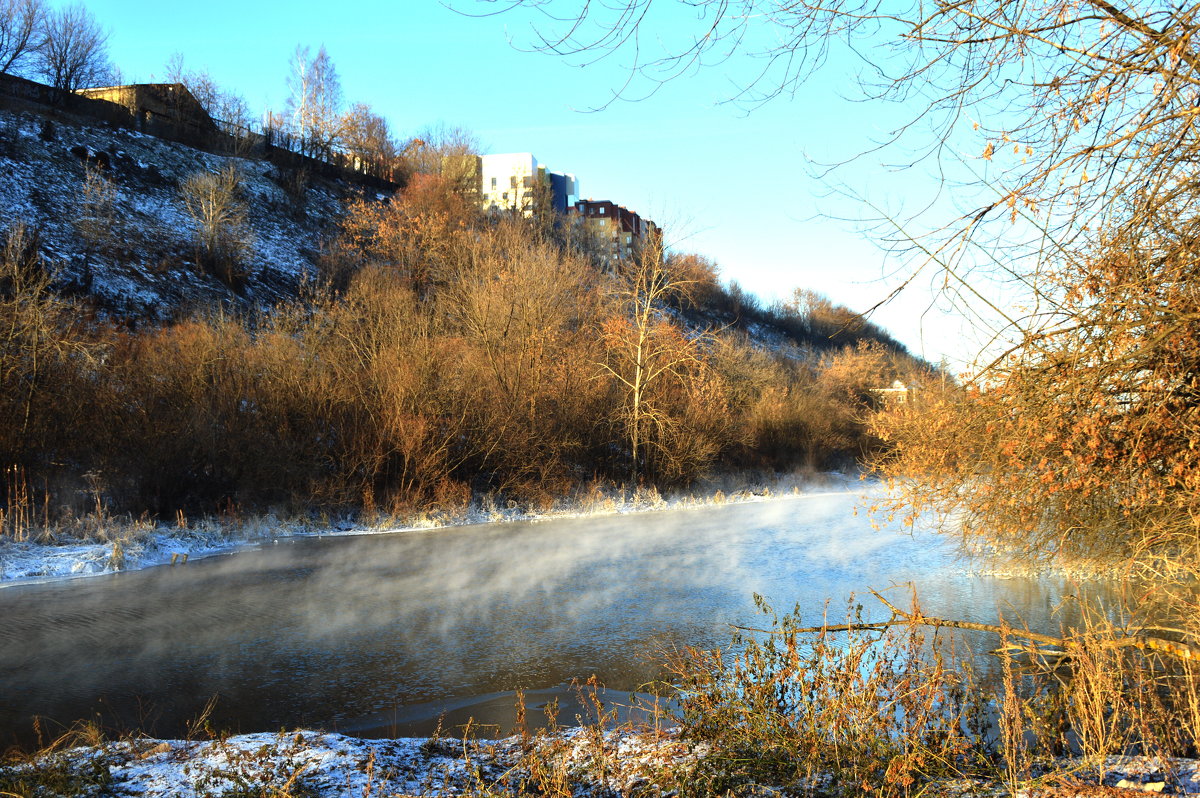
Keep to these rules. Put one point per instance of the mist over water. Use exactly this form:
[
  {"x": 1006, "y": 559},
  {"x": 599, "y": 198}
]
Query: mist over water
[{"x": 383, "y": 633}]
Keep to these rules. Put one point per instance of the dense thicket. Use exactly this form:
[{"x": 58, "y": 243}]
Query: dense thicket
[
  {"x": 444, "y": 354},
  {"x": 1082, "y": 443}
]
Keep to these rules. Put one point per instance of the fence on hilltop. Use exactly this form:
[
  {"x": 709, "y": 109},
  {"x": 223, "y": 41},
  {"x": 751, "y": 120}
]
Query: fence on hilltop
[{"x": 265, "y": 142}]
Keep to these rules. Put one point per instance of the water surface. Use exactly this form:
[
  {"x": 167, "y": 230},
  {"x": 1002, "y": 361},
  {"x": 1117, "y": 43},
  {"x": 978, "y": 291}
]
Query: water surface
[{"x": 383, "y": 634}]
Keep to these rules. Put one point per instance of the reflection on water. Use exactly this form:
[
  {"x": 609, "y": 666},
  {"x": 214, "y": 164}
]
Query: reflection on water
[{"x": 383, "y": 633}]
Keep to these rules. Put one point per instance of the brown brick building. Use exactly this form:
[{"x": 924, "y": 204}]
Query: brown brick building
[{"x": 618, "y": 230}]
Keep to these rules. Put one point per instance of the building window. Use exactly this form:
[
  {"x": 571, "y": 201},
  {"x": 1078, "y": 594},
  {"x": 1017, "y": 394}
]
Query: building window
[
  {"x": 504, "y": 196},
  {"x": 601, "y": 210},
  {"x": 493, "y": 184},
  {"x": 512, "y": 182}
]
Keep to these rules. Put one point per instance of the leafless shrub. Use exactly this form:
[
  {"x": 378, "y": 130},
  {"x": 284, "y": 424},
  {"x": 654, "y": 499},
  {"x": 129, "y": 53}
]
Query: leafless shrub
[
  {"x": 42, "y": 357},
  {"x": 222, "y": 234},
  {"x": 295, "y": 182},
  {"x": 97, "y": 222}
]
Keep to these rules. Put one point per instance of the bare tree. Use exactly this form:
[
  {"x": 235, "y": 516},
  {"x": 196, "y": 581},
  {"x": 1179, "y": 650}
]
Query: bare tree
[
  {"x": 433, "y": 143},
  {"x": 648, "y": 355},
  {"x": 366, "y": 135},
  {"x": 228, "y": 109},
  {"x": 314, "y": 100},
  {"x": 36, "y": 337},
  {"x": 21, "y": 25},
  {"x": 198, "y": 82},
  {"x": 232, "y": 114},
  {"x": 74, "y": 50},
  {"x": 214, "y": 202}
]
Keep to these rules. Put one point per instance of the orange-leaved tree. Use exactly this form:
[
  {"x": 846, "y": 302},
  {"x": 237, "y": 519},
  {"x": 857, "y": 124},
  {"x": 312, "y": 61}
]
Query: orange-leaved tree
[
  {"x": 422, "y": 232},
  {"x": 1083, "y": 442}
]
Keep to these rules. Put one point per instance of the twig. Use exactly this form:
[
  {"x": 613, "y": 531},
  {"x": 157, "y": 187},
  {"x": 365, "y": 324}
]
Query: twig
[{"x": 1061, "y": 644}]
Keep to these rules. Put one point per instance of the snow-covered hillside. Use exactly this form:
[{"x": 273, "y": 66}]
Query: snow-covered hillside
[{"x": 146, "y": 265}]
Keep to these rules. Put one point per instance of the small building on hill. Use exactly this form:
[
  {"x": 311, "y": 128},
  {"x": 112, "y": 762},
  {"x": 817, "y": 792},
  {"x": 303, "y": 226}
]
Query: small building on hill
[
  {"x": 157, "y": 102},
  {"x": 898, "y": 394}
]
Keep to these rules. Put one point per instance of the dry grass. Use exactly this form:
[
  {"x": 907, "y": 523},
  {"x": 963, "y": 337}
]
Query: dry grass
[
  {"x": 902, "y": 710},
  {"x": 52, "y": 772},
  {"x": 836, "y": 712}
]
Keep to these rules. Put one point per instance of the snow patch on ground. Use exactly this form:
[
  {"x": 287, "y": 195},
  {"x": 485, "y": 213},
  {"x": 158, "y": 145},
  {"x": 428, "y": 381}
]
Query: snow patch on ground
[
  {"x": 580, "y": 762},
  {"x": 146, "y": 266},
  {"x": 318, "y": 764}
]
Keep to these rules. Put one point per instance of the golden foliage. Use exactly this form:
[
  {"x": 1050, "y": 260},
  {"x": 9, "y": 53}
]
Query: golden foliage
[
  {"x": 420, "y": 233},
  {"x": 448, "y": 357},
  {"x": 1081, "y": 446}
]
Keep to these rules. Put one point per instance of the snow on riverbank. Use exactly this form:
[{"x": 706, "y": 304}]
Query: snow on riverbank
[
  {"x": 318, "y": 765},
  {"x": 580, "y": 762},
  {"x": 133, "y": 546}
]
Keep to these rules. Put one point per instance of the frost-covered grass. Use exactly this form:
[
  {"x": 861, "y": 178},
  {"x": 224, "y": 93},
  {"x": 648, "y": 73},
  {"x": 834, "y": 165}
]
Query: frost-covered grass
[
  {"x": 140, "y": 257},
  {"x": 307, "y": 763},
  {"x": 99, "y": 544},
  {"x": 587, "y": 762}
]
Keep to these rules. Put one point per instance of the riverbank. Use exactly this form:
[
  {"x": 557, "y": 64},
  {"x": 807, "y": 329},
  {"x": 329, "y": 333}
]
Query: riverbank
[
  {"x": 316, "y": 764},
  {"x": 103, "y": 545},
  {"x": 345, "y": 634},
  {"x": 576, "y": 762}
]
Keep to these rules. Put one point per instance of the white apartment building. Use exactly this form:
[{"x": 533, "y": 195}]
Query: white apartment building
[{"x": 507, "y": 181}]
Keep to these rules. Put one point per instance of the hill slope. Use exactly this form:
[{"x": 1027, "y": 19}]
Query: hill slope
[{"x": 107, "y": 206}]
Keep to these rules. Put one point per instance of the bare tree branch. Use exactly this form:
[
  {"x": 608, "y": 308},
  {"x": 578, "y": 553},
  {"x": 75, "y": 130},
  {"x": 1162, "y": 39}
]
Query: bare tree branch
[
  {"x": 22, "y": 25},
  {"x": 74, "y": 50}
]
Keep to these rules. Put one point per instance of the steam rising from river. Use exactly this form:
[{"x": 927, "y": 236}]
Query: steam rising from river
[{"x": 326, "y": 631}]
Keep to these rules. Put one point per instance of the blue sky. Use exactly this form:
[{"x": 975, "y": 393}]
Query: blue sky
[{"x": 738, "y": 187}]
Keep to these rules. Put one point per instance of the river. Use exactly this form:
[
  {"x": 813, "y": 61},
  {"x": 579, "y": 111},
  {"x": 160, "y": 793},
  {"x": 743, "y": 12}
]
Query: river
[{"x": 385, "y": 634}]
